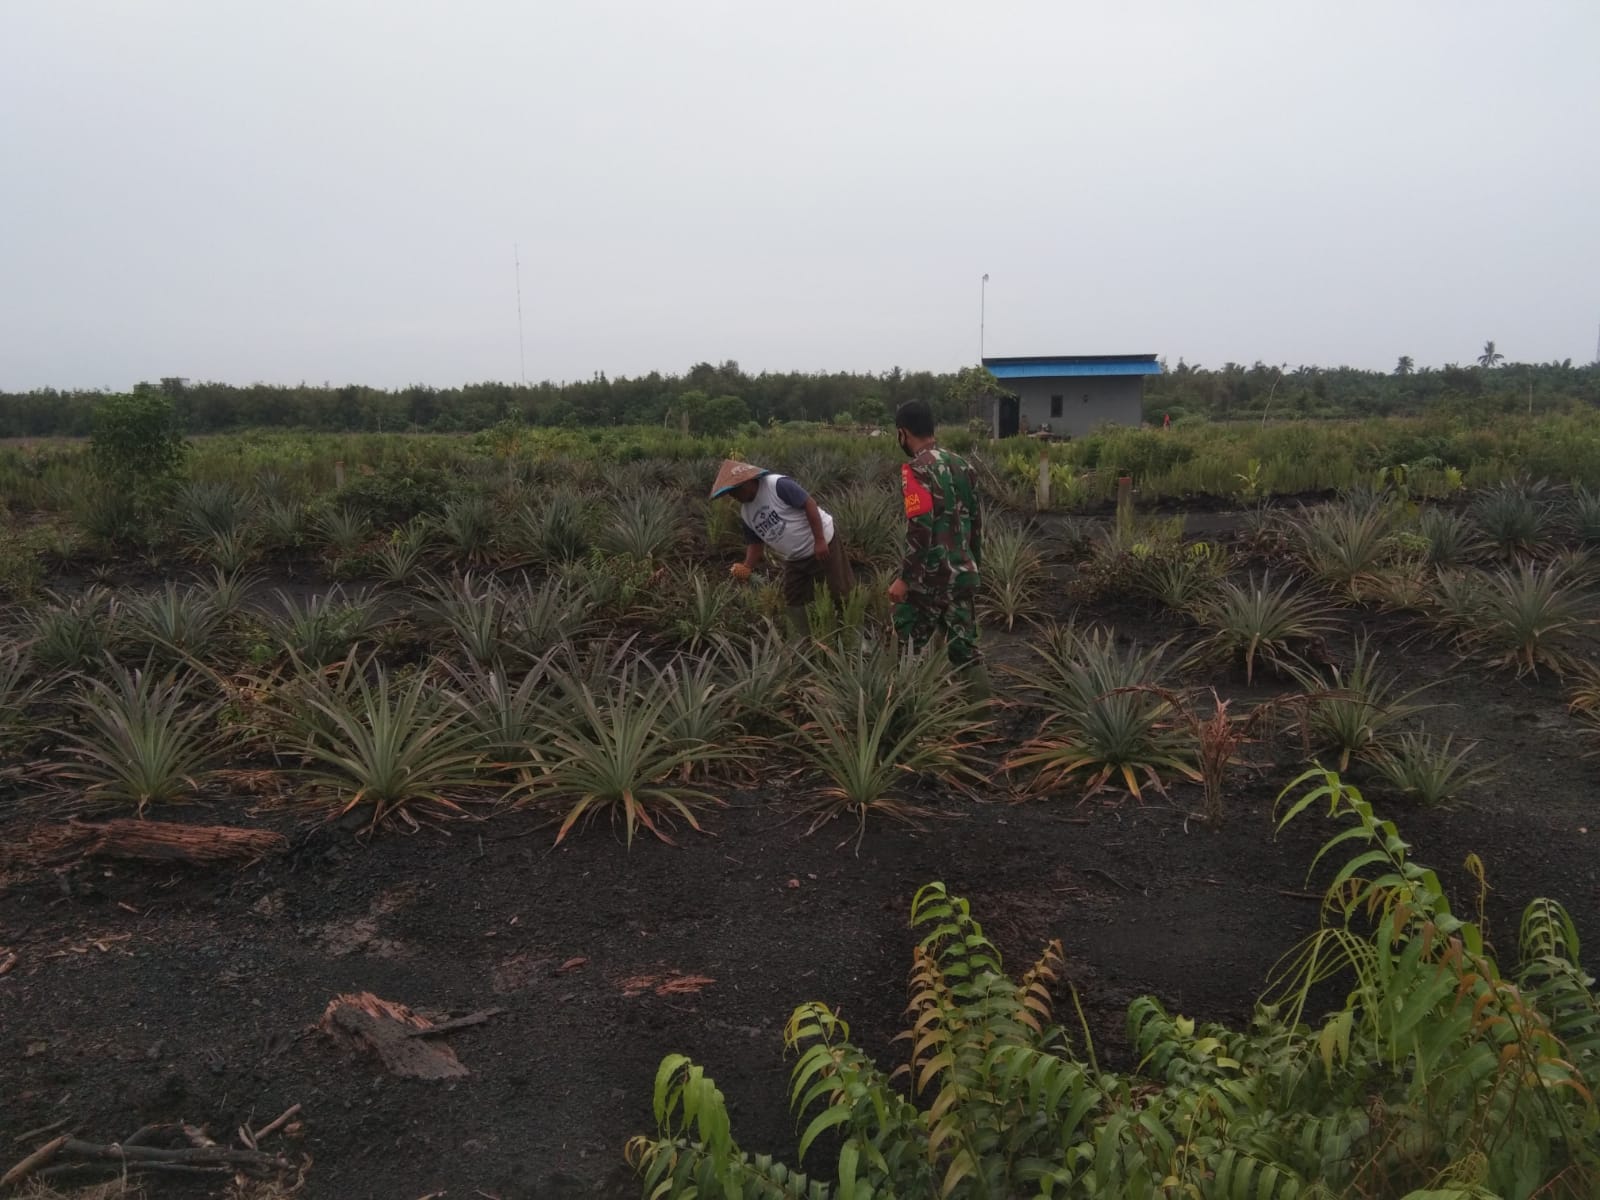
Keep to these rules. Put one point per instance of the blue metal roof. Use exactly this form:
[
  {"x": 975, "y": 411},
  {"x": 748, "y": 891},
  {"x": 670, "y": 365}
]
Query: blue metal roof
[{"x": 1064, "y": 366}]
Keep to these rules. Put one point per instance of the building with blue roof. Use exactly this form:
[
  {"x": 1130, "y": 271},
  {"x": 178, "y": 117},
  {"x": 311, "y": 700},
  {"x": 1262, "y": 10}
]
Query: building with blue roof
[{"x": 1067, "y": 395}]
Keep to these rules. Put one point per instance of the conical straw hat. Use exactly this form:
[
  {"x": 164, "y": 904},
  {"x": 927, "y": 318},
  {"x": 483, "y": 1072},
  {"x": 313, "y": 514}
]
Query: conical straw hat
[{"x": 732, "y": 474}]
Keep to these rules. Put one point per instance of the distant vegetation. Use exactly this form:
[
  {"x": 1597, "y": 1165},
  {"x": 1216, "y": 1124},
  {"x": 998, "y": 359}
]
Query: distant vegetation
[{"x": 718, "y": 399}]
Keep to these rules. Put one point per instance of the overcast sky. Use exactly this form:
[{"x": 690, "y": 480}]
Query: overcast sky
[{"x": 332, "y": 190}]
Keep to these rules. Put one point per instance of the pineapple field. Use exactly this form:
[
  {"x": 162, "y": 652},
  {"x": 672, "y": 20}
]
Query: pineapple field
[{"x": 413, "y": 816}]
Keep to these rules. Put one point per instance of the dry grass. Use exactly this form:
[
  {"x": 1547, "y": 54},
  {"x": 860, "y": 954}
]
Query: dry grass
[
  {"x": 257, "y": 1189},
  {"x": 127, "y": 1189},
  {"x": 117, "y": 1189}
]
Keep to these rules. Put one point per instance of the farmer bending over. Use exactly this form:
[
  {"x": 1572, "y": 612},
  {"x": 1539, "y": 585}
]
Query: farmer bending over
[
  {"x": 778, "y": 513},
  {"x": 936, "y": 595}
]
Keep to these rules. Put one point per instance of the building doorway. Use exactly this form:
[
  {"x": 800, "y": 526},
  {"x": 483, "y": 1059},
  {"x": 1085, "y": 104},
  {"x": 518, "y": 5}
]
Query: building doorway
[{"x": 1010, "y": 416}]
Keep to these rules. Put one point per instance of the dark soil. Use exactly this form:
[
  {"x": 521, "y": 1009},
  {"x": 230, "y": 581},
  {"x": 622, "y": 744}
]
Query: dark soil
[{"x": 143, "y": 995}]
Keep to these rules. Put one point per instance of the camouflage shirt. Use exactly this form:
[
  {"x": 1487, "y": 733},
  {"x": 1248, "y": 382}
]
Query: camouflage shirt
[{"x": 944, "y": 528}]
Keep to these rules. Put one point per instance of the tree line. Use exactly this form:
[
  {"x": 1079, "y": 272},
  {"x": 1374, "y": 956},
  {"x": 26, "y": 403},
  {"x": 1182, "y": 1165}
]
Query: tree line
[
  {"x": 711, "y": 399},
  {"x": 1490, "y": 386}
]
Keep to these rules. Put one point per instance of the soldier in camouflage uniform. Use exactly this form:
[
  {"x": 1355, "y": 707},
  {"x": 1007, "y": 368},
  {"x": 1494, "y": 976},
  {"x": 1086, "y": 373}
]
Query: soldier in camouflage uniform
[{"x": 936, "y": 594}]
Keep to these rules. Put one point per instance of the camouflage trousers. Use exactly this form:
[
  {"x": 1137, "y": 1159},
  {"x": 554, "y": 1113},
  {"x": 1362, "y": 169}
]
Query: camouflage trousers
[{"x": 923, "y": 620}]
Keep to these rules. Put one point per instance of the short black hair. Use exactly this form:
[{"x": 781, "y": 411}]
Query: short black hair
[{"x": 915, "y": 417}]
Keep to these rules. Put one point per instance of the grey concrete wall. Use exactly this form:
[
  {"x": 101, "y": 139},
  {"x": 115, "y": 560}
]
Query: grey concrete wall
[{"x": 1085, "y": 403}]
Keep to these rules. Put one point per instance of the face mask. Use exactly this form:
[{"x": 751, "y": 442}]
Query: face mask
[{"x": 905, "y": 448}]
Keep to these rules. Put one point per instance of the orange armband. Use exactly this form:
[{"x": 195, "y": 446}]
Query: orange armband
[{"x": 919, "y": 500}]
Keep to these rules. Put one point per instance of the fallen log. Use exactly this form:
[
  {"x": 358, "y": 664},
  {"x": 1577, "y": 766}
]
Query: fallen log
[
  {"x": 394, "y": 1033},
  {"x": 146, "y": 841}
]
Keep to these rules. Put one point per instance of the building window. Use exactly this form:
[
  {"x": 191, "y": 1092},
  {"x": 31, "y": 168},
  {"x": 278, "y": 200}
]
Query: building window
[{"x": 1055, "y": 405}]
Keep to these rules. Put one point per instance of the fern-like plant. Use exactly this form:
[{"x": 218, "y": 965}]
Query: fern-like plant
[{"x": 1437, "y": 1078}]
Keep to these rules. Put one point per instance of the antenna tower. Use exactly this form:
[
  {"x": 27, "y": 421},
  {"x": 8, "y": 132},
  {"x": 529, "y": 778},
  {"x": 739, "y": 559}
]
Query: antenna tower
[{"x": 522, "y": 353}]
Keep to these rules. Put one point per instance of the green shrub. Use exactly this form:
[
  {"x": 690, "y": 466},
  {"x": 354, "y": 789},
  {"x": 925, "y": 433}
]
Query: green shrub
[
  {"x": 137, "y": 442},
  {"x": 1438, "y": 1076},
  {"x": 395, "y": 492},
  {"x": 21, "y": 567}
]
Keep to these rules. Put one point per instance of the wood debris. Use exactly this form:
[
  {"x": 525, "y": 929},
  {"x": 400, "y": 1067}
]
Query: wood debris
[
  {"x": 57, "y": 845},
  {"x": 394, "y": 1033},
  {"x": 155, "y": 1149},
  {"x": 673, "y": 983},
  {"x": 455, "y": 1023}
]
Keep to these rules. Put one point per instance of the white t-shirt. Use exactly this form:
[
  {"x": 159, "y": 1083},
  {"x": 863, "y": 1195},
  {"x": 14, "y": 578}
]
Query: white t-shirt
[{"x": 781, "y": 524}]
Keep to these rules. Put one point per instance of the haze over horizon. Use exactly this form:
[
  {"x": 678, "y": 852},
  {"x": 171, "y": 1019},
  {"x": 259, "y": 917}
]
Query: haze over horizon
[{"x": 332, "y": 191}]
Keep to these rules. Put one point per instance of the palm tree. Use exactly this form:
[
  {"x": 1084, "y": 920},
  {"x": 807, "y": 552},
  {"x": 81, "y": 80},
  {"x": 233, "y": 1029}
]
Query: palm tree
[
  {"x": 1404, "y": 366},
  {"x": 1490, "y": 356}
]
